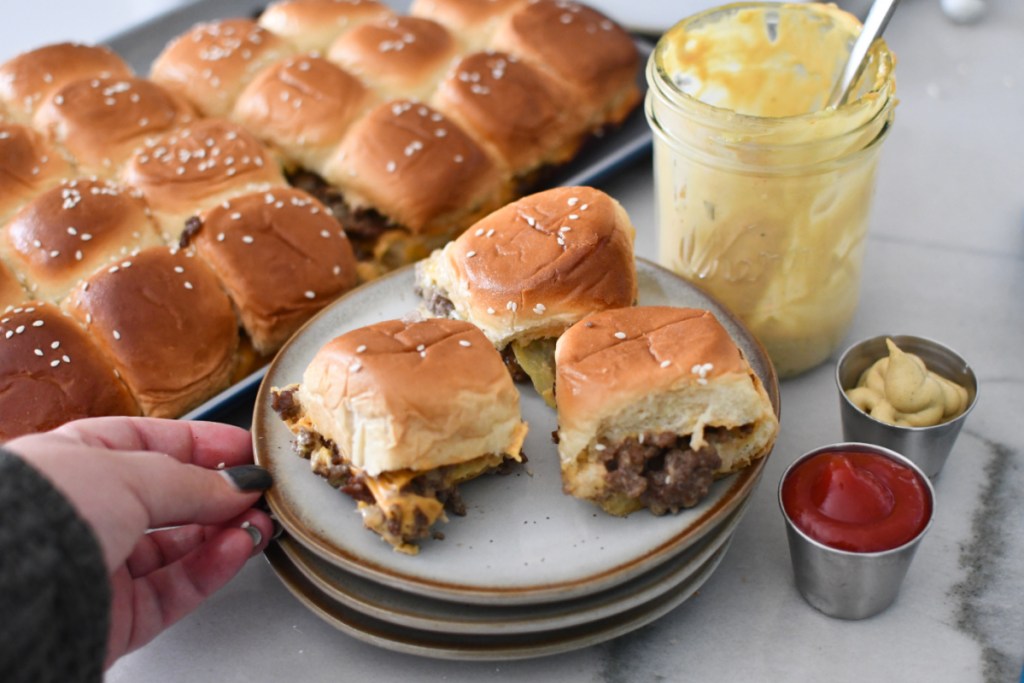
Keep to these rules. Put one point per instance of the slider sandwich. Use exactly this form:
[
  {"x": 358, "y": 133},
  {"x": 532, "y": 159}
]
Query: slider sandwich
[
  {"x": 528, "y": 271},
  {"x": 397, "y": 414},
  {"x": 654, "y": 404}
]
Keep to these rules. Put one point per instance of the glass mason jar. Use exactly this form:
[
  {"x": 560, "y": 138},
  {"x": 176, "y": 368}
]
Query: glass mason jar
[{"x": 763, "y": 191}]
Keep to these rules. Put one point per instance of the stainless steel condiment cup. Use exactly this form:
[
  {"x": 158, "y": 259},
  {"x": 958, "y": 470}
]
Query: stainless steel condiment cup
[
  {"x": 927, "y": 447},
  {"x": 845, "y": 584}
]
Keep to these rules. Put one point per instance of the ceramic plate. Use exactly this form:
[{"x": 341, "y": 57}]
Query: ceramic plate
[
  {"x": 460, "y": 646},
  {"x": 427, "y": 614},
  {"x": 522, "y": 540}
]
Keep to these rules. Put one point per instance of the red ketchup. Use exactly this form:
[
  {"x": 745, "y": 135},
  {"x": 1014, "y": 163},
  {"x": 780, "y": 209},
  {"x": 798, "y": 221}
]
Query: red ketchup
[{"x": 861, "y": 502}]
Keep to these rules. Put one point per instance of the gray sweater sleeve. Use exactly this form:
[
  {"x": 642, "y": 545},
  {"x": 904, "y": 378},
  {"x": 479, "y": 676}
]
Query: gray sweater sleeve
[{"x": 54, "y": 589}]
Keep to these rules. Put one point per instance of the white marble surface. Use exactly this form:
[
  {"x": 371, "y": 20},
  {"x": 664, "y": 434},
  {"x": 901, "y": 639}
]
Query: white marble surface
[{"x": 945, "y": 259}]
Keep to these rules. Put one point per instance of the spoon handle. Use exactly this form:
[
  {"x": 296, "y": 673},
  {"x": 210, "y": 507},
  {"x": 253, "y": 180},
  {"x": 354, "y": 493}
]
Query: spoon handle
[{"x": 874, "y": 25}]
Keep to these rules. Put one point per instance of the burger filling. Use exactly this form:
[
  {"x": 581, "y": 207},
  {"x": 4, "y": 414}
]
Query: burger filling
[
  {"x": 661, "y": 470},
  {"x": 400, "y": 505}
]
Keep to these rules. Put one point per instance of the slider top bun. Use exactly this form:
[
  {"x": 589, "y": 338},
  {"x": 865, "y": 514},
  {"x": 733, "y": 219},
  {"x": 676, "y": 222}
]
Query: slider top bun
[
  {"x": 28, "y": 165},
  {"x": 303, "y": 106},
  {"x": 417, "y": 168},
  {"x": 70, "y": 230},
  {"x": 31, "y": 77},
  {"x": 280, "y": 255},
  {"x": 101, "y": 121},
  {"x": 534, "y": 267},
  {"x": 525, "y": 117},
  {"x": 624, "y": 372},
  {"x": 211, "y": 63},
  {"x": 52, "y": 373},
  {"x": 166, "y": 324},
  {"x": 400, "y": 56},
  {"x": 472, "y": 21},
  {"x": 11, "y": 291},
  {"x": 586, "y": 50},
  {"x": 403, "y": 395},
  {"x": 312, "y": 25},
  {"x": 197, "y": 167}
]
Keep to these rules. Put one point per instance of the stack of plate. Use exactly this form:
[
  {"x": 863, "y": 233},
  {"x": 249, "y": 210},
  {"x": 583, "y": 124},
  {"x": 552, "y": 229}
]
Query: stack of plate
[{"x": 528, "y": 571}]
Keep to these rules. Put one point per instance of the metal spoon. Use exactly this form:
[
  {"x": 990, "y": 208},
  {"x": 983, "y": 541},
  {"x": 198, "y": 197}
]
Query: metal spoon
[{"x": 874, "y": 24}]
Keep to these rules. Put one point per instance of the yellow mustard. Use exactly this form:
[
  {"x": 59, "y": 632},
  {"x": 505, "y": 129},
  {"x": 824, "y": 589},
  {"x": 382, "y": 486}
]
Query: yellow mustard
[
  {"x": 900, "y": 390},
  {"x": 763, "y": 192}
]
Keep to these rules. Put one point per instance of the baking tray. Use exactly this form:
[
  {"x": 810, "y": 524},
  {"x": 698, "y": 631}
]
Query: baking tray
[{"x": 601, "y": 157}]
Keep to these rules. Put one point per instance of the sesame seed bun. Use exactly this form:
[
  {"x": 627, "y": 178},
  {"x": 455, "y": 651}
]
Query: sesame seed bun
[
  {"x": 210, "y": 64},
  {"x": 102, "y": 121},
  {"x": 534, "y": 267},
  {"x": 52, "y": 373},
  {"x": 198, "y": 167},
  {"x": 303, "y": 106},
  {"x": 31, "y": 77},
  {"x": 281, "y": 257},
  {"x": 400, "y": 56},
  {"x": 417, "y": 168},
  {"x": 518, "y": 111},
  {"x": 396, "y": 395},
  {"x": 314, "y": 24},
  {"x": 70, "y": 230},
  {"x": 28, "y": 165},
  {"x": 168, "y": 327},
  {"x": 472, "y": 21},
  {"x": 592, "y": 55},
  {"x": 652, "y": 370}
]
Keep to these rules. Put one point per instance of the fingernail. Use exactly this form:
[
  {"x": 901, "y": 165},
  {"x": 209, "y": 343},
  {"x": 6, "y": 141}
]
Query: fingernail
[
  {"x": 254, "y": 533},
  {"x": 248, "y": 477}
]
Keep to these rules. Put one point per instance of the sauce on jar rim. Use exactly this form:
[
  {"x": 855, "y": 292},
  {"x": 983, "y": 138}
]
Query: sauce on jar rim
[{"x": 854, "y": 501}]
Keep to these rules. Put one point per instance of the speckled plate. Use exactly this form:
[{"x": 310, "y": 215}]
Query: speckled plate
[
  {"x": 522, "y": 540},
  {"x": 462, "y": 646},
  {"x": 427, "y": 614}
]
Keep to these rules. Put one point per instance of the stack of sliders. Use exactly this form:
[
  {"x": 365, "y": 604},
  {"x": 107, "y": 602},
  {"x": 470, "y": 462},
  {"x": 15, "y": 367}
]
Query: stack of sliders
[
  {"x": 654, "y": 403},
  {"x": 402, "y": 129}
]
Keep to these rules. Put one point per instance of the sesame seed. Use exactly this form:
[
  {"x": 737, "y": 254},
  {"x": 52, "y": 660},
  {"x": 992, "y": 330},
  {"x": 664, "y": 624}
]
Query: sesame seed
[
  {"x": 620, "y": 335},
  {"x": 55, "y": 345},
  {"x": 423, "y": 354},
  {"x": 79, "y": 255},
  {"x": 247, "y": 239},
  {"x": 479, "y": 232},
  {"x": 325, "y": 233},
  {"x": 355, "y": 367},
  {"x": 573, "y": 201},
  {"x": 599, "y": 447},
  {"x": 72, "y": 230},
  {"x": 113, "y": 269},
  {"x": 37, "y": 323},
  {"x": 54, "y": 363},
  {"x": 490, "y": 310},
  {"x": 512, "y": 306},
  {"x": 463, "y": 342},
  {"x": 573, "y": 217},
  {"x": 19, "y": 329},
  {"x": 421, "y": 347},
  {"x": 38, "y": 352},
  {"x": 490, "y": 233},
  {"x": 117, "y": 335},
  {"x": 9, "y": 334},
  {"x": 666, "y": 363},
  {"x": 470, "y": 254},
  {"x": 539, "y": 309},
  {"x": 220, "y": 237},
  {"x": 179, "y": 269},
  {"x": 85, "y": 237},
  {"x": 310, "y": 294},
  {"x": 65, "y": 358},
  {"x": 391, "y": 166},
  {"x": 236, "y": 216},
  {"x": 361, "y": 348},
  {"x": 221, "y": 465}
]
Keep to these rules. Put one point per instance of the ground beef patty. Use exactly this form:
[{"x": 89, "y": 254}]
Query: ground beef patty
[
  {"x": 661, "y": 471},
  {"x": 363, "y": 227}
]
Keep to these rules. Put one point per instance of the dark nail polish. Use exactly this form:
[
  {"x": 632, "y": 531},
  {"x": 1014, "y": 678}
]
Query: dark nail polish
[
  {"x": 248, "y": 477},
  {"x": 254, "y": 533}
]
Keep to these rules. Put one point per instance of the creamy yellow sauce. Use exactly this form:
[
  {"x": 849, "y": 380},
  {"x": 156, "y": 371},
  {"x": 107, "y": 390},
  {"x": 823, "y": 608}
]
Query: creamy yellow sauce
[
  {"x": 763, "y": 192},
  {"x": 900, "y": 390}
]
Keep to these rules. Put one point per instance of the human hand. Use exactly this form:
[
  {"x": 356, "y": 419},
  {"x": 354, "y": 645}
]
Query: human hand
[{"x": 129, "y": 476}]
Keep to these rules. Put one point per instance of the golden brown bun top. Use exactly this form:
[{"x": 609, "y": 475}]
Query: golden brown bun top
[
  {"x": 545, "y": 261},
  {"x": 101, "y": 121},
  {"x": 51, "y": 373},
  {"x": 69, "y": 230},
  {"x": 288, "y": 238},
  {"x": 11, "y": 291},
  {"x": 622, "y": 354},
  {"x": 29, "y": 78},
  {"x": 28, "y": 164},
  {"x": 185, "y": 169},
  {"x": 579, "y": 44},
  {"x": 511, "y": 105},
  {"x": 414, "y": 166},
  {"x": 412, "y": 395},
  {"x": 314, "y": 24},
  {"x": 161, "y": 315},
  {"x": 302, "y": 102},
  {"x": 472, "y": 20},
  {"x": 211, "y": 63},
  {"x": 401, "y": 56}
]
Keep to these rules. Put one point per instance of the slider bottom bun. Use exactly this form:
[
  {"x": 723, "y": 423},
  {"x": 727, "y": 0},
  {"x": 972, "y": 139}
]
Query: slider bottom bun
[
  {"x": 398, "y": 414},
  {"x": 654, "y": 404}
]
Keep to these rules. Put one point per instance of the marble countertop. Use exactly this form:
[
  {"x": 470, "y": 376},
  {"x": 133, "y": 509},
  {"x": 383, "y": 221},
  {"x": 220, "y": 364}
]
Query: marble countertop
[{"x": 945, "y": 259}]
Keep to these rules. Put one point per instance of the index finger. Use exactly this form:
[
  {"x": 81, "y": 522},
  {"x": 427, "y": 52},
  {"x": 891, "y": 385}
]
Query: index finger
[{"x": 208, "y": 444}]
